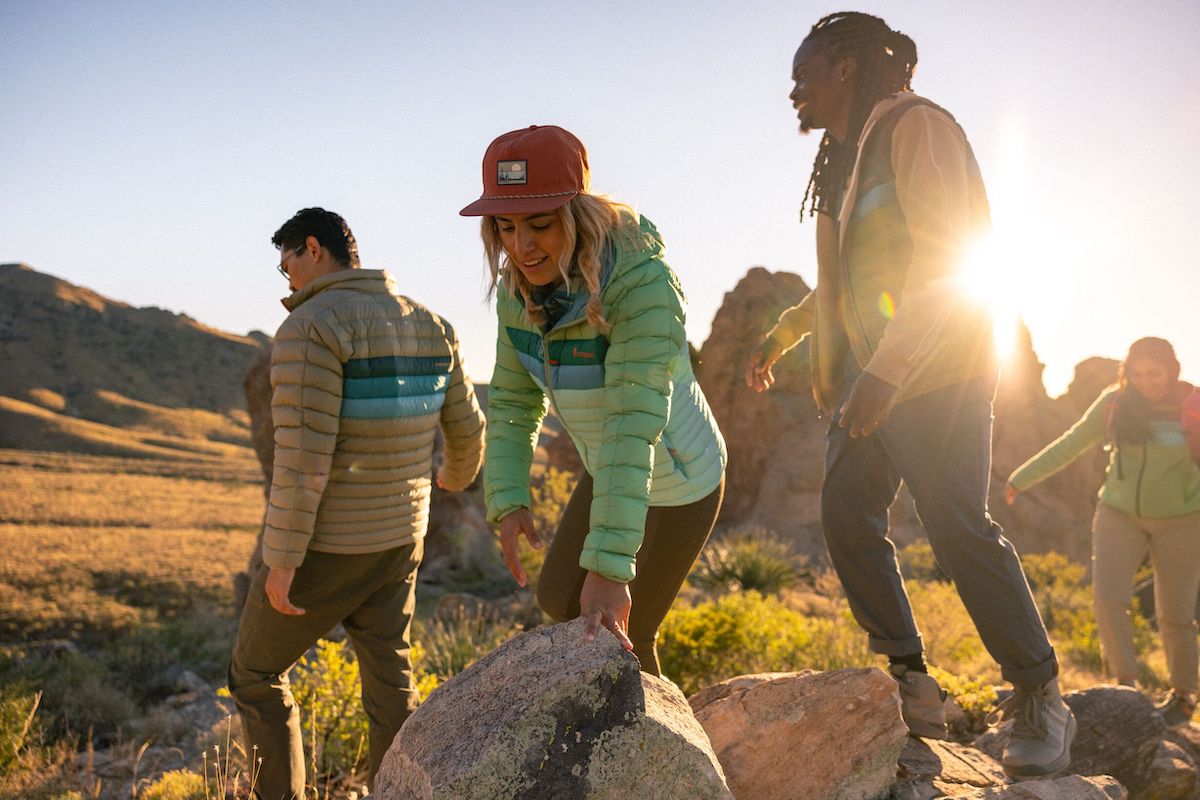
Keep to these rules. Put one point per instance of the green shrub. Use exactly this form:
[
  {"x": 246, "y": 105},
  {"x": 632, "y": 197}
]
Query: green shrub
[
  {"x": 179, "y": 784},
  {"x": 746, "y": 632},
  {"x": 19, "y": 727},
  {"x": 976, "y": 697},
  {"x": 918, "y": 564},
  {"x": 326, "y": 686},
  {"x": 747, "y": 559}
]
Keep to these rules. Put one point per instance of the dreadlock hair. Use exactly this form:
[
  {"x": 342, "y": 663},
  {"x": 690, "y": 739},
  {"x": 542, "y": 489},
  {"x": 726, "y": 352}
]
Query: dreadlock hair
[
  {"x": 885, "y": 62},
  {"x": 1131, "y": 417}
]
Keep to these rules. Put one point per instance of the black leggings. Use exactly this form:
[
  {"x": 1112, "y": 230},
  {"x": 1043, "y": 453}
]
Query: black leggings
[{"x": 675, "y": 535}]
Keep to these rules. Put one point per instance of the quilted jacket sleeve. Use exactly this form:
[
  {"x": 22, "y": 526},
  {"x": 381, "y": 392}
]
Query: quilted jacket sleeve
[
  {"x": 647, "y": 336},
  {"x": 462, "y": 423},
  {"x": 306, "y": 401},
  {"x": 516, "y": 406}
]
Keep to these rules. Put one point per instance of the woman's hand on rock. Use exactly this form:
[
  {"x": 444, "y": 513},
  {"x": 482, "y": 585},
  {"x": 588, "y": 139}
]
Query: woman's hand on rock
[{"x": 606, "y": 603}]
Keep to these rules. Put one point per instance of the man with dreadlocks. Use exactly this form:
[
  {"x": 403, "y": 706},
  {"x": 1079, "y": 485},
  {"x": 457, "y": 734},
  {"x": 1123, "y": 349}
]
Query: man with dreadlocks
[{"x": 903, "y": 362}]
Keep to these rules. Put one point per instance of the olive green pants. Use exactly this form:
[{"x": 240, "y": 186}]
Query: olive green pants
[
  {"x": 373, "y": 596},
  {"x": 675, "y": 535},
  {"x": 1119, "y": 543}
]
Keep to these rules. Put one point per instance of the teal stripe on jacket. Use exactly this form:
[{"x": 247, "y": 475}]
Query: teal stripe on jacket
[{"x": 398, "y": 386}]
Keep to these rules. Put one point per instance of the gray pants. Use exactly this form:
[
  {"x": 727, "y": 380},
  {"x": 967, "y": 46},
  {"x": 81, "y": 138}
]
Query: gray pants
[
  {"x": 1119, "y": 543},
  {"x": 373, "y": 596},
  {"x": 939, "y": 444}
]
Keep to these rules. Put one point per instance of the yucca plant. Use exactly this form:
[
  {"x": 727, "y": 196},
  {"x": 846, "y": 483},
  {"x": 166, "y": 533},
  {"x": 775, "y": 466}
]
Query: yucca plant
[{"x": 748, "y": 559}]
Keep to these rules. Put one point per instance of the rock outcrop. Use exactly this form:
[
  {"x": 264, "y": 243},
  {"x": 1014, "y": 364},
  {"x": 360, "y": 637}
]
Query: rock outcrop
[
  {"x": 846, "y": 723},
  {"x": 776, "y": 440},
  {"x": 545, "y": 716}
]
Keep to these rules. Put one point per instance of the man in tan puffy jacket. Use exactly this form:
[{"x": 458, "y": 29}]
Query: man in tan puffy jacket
[{"x": 362, "y": 377}]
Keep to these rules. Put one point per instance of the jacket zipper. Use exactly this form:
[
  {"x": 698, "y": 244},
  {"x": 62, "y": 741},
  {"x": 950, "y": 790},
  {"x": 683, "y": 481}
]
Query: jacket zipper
[{"x": 1137, "y": 502}]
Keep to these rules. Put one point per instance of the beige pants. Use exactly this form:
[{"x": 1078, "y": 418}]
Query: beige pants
[{"x": 1119, "y": 544}]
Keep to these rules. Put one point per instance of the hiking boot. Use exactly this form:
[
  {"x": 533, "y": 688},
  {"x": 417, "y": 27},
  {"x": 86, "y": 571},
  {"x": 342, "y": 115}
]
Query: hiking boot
[
  {"x": 1178, "y": 709},
  {"x": 922, "y": 702},
  {"x": 1043, "y": 729}
]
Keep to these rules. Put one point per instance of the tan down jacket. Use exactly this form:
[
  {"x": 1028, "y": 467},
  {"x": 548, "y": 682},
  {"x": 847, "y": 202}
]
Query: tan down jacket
[{"x": 361, "y": 379}]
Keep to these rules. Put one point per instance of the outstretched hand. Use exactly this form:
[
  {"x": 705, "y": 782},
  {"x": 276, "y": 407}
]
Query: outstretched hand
[
  {"x": 606, "y": 603},
  {"x": 759, "y": 374},
  {"x": 1010, "y": 493},
  {"x": 866, "y": 409},
  {"x": 512, "y": 527}
]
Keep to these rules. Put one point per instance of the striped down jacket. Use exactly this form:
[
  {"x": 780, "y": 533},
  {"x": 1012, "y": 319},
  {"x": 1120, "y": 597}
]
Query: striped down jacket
[
  {"x": 361, "y": 379},
  {"x": 628, "y": 399}
]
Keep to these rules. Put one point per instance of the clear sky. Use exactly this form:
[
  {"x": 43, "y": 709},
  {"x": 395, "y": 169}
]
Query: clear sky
[{"x": 149, "y": 150}]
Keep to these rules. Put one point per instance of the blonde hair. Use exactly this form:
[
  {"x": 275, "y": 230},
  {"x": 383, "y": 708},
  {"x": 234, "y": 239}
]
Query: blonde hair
[{"x": 589, "y": 221}]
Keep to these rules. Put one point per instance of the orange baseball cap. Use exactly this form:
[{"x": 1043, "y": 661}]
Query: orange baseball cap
[{"x": 531, "y": 170}]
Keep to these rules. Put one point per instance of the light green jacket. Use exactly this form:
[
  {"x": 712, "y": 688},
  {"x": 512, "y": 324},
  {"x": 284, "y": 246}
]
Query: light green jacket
[
  {"x": 1157, "y": 480},
  {"x": 629, "y": 400}
]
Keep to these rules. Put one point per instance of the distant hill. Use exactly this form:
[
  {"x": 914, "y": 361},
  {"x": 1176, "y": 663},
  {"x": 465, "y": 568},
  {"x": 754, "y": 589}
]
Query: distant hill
[{"x": 85, "y": 373}]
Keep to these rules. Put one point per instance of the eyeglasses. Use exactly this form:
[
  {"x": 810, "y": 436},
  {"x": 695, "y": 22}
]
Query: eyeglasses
[{"x": 280, "y": 266}]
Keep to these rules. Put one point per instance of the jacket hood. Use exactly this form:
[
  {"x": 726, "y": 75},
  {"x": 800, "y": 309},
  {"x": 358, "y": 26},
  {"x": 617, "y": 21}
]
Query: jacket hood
[{"x": 360, "y": 280}]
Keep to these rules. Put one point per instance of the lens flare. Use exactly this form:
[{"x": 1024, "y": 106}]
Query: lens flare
[{"x": 887, "y": 306}]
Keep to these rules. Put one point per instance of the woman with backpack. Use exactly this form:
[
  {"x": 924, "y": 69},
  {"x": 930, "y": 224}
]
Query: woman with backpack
[
  {"x": 592, "y": 320},
  {"x": 1150, "y": 500}
]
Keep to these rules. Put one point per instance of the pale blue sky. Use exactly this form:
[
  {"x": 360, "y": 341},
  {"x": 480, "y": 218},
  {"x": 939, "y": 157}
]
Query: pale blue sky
[{"x": 149, "y": 150}]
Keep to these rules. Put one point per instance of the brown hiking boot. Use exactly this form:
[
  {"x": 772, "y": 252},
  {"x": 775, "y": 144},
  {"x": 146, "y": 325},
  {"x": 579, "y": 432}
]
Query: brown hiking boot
[{"x": 922, "y": 702}]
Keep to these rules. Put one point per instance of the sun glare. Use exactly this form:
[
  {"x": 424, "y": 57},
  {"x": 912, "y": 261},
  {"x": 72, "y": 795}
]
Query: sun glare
[
  {"x": 1000, "y": 269},
  {"x": 987, "y": 280}
]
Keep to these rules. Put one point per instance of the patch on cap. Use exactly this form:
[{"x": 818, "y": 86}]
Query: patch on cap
[{"x": 510, "y": 173}]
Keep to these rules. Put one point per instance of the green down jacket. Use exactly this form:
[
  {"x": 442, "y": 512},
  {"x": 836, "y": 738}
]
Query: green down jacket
[
  {"x": 1155, "y": 480},
  {"x": 629, "y": 400}
]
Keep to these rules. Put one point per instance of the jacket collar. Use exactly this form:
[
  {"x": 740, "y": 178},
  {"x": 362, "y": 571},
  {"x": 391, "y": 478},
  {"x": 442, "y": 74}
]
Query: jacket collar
[{"x": 354, "y": 279}]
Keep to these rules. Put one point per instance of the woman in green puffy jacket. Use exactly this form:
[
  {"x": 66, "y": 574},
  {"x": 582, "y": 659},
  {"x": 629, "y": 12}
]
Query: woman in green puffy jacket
[
  {"x": 1150, "y": 501},
  {"x": 591, "y": 322}
]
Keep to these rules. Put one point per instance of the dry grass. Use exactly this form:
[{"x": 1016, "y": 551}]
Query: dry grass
[{"x": 90, "y": 545}]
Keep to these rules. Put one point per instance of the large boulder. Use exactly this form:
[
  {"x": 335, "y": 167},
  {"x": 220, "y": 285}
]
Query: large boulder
[
  {"x": 1118, "y": 734},
  {"x": 545, "y": 716},
  {"x": 811, "y": 735},
  {"x": 1172, "y": 775}
]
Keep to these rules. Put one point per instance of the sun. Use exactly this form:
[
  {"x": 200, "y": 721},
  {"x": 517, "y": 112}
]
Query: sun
[{"x": 987, "y": 278}]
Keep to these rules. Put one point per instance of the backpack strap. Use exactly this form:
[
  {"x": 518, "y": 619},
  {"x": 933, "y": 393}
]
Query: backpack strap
[{"x": 1190, "y": 419}]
